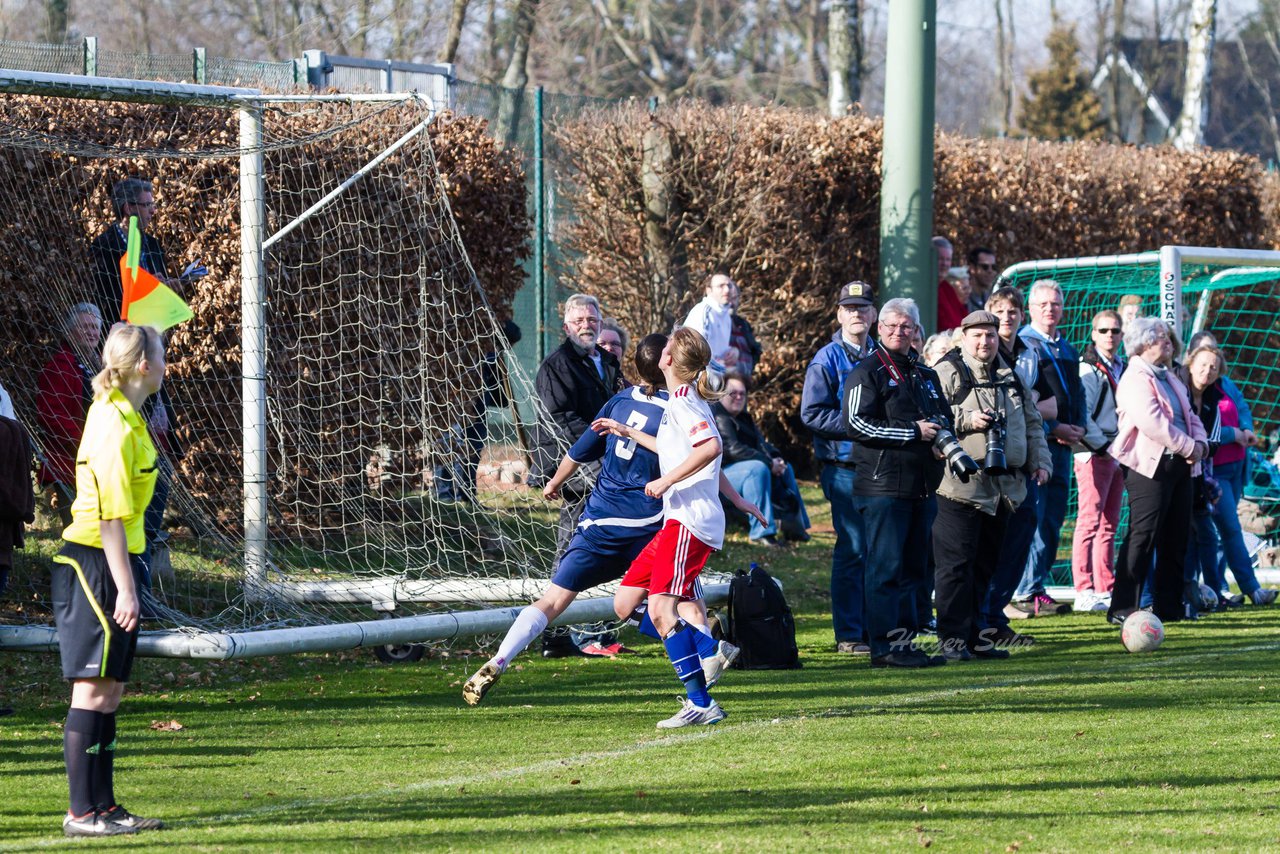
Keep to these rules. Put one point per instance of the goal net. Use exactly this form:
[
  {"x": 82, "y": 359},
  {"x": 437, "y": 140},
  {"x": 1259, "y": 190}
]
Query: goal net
[
  {"x": 1229, "y": 292},
  {"x": 341, "y": 437}
]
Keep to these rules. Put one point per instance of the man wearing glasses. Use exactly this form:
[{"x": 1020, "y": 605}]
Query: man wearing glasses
[
  {"x": 982, "y": 275},
  {"x": 130, "y": 197},
  {"x": 820, "y": 410},
  {"x": 574, "y": 383},
  {"x": 894, "y": 408}
]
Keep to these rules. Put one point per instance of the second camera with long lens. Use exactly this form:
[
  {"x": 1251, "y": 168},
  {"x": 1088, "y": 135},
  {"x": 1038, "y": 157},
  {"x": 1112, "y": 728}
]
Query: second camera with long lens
[{"x": 948, "y": 446}]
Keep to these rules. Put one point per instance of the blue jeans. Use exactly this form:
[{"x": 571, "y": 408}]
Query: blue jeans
[
  {"x": 1202, "y": 550},
  {"x": 153, "y": 522},
  {"x": 897, "y": 554},
  {"x": 456, "y": 481},
  {"x": 848, "y": 563},
  {"x": 1231, "y": 478},
  {"x": 754, "y": 482},
  {"x": 1051, "y": 510},
  {"x": 1012, "y": 563}
]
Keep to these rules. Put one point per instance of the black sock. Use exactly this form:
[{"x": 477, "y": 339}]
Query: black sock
[
  {"x": 80, "y": 747},
  {"x": 104, "y": 796}
]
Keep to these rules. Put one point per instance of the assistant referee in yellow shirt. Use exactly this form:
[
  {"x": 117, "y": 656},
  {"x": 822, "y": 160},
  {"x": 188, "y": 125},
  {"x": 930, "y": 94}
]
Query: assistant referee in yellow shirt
[{"x": 95, "y": 601}]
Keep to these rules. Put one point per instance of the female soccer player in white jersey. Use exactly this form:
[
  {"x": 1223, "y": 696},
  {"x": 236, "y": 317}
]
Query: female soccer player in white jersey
[
  {"x": 688, "y": 448},
  {"x": 619, "y": 519}
]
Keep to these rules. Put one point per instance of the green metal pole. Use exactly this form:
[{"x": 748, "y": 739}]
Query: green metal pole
[
  {"x": 907, "y": 268},
  {"x": 198, "y": 65},
  {"x": 90, "y": 46},
  {"x": 539, "y": 228}
]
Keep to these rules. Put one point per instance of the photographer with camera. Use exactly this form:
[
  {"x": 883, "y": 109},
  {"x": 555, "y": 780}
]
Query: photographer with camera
[
  {"x": 896, "y": 415},
  {"x": 998, "y": 424}
]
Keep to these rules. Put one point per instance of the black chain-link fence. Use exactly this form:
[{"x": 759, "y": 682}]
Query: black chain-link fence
[{"x": 515, "y": 119}]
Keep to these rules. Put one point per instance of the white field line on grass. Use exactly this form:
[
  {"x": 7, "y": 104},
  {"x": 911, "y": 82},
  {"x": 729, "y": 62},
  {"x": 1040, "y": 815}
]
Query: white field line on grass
[
  {"x": 682, "y": 740},
  {"x": 679, "y": 741}
]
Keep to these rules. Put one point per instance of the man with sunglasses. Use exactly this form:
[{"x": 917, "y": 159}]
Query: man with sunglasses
[
  {"x": 1098, "y": 476},
  {"x": 982, "y": 275},
  {"x": 130, "y": 197}
]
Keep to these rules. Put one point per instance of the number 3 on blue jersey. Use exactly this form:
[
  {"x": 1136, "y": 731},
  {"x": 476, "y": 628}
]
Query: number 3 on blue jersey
[{"x": 625, "y": 449}]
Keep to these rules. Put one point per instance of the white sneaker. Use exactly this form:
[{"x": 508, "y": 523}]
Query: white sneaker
[
  {"x": 716, "y": 665},
  {"x": 93, "y": 824},
  {"x": 691, "y": 715},
  {"x": 1092, "y": 600}
]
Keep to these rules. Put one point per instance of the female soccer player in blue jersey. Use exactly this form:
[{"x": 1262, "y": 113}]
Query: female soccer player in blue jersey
[{"x": 95, "y": 601}]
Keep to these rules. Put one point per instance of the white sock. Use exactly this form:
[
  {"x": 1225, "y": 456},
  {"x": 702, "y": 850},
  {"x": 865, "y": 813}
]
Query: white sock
[
  {"x": 528, "y": 625},
  {"x": 706, "y": 630}
]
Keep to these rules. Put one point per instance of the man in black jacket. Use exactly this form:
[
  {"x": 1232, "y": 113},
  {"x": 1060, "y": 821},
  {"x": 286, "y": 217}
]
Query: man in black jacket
[
  {"x": 893, "y": 406},
  {"x": 129, "y": 198},
  {"x": 573, "y": 384},
  {"x": 756, "y": 468}
]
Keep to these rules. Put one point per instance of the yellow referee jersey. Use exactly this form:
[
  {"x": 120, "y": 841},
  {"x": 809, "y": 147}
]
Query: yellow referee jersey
[{"x": 115, "y": 473}]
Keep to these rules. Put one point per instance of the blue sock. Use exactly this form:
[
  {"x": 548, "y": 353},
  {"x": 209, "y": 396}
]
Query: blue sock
[
  {"x": 683, "y": 653},
  {"x": 640, "y": 619},
  {"x": 707, "y": 645}
]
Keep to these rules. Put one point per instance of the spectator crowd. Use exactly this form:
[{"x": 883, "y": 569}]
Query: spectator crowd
[{"x": 948, "y": 460}]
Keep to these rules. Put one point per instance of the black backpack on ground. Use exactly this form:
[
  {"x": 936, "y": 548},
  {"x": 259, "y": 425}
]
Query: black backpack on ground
[{"x": 760, "y": 623}]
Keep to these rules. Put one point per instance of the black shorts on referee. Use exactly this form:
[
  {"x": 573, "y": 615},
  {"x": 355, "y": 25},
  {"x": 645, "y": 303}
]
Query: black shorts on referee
[{"x": 84, "y": 598}]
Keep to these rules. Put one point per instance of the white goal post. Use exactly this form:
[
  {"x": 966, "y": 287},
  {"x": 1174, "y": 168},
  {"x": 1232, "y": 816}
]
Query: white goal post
[
  {"x": 262, "y": 584},
  {"x": 595, "y": 607}
]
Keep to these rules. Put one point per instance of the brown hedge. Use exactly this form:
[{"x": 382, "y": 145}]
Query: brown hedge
[
  {"x": 367, "y": 252},
  {"x": 789, "y": 202}
]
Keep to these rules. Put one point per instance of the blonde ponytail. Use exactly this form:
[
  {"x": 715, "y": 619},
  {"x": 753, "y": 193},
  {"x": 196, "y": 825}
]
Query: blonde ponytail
[
  {"x": 708, "y": 389},
  {"x": 690, "y": 355},
  {"x": 127, "y": 346}
]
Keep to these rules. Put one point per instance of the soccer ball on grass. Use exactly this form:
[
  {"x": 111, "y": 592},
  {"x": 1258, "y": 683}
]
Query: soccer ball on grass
[{"x": 1142, "y": 632}]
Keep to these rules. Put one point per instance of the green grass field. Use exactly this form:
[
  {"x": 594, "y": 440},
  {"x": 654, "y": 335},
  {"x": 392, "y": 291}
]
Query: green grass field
[{"x": 1071, "y": 745}]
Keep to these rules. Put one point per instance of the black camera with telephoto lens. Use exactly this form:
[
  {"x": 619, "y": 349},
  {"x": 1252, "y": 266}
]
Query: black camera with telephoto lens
[{"x": 995, "y": 463}]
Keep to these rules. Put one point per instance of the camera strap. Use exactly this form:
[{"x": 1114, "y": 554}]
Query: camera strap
[
  {"x": 894, "y": 373},
  {"x": 918, "y": 395},
  {"x": 969, "y": 382}
]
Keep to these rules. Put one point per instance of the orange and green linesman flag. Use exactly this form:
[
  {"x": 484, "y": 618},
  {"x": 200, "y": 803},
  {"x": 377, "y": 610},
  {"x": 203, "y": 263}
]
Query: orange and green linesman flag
[{"x": 147, "y": 300}]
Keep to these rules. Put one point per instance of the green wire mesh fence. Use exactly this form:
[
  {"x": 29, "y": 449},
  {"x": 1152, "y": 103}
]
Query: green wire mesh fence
[{"x": 1240, "y": 305}]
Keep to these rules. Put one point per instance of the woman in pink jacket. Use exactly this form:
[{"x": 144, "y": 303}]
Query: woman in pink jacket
[{"x": 1159, "y": 443}]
